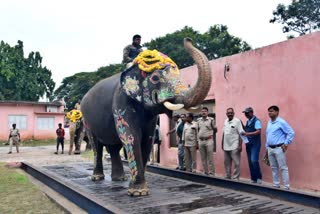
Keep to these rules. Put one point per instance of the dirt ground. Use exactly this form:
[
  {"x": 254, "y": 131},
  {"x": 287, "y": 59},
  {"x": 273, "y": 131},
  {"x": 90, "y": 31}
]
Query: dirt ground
[{"x": 40, "y": 155}]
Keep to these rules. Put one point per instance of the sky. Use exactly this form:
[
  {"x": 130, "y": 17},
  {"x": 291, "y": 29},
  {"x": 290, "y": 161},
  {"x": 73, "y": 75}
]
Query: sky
[{"x": 80, "y": 35}]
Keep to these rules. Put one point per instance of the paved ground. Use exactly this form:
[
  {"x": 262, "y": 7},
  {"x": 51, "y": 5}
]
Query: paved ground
[
  {"x": 43, "y": 156},
  {"x": 168, "y": 195}
]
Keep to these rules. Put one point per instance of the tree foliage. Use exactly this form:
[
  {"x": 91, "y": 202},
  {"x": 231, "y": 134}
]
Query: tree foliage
[
  {"x": 215, "y": 43},
  {"x": 74, "y": 87},
  {"x": 23, "y": 78},
  {"x": 301, "y": 16}
]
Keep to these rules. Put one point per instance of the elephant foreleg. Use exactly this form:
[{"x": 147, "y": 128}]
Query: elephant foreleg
[{"x": 129, "y": 131}]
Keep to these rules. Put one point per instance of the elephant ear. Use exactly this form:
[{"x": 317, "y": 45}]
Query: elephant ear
[{"x": 130, "y": 84}]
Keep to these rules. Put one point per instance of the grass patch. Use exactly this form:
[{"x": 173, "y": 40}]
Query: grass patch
[
  {"x": 34, "y": 142},
  {"x": 19, "y": 195},
  {"x": 88, "y": 155}
]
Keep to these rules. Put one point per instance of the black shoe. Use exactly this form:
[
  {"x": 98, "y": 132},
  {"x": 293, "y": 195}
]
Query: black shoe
[
  {"x": 9, "y": 152},
  {"x": 177, "y": 167},
  {"x": 56, "y": 153},
  {"x": 62, "y": 152}
]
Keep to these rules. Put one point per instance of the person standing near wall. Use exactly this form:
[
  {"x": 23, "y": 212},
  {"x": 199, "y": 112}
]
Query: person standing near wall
[
  {"x": 60, "y": 138},
  {"x": 207, "y": 129},
  {"x": 177, "y": 121},
  {"x": 179, "y": 131},
  {"x": 14, "y": 138},
  {"x": 232, "y": 144},
  {"x": 279, "y": 135},
  {"x": 189, "y": 139},
  {"x": 156, "y": 144},
  {"x": 253, "y": 132}
]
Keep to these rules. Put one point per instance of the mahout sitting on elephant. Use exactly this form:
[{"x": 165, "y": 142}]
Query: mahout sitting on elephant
[{"x": 122, "y": 110}]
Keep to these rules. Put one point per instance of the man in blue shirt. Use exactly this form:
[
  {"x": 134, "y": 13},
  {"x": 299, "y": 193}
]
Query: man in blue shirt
[
  {"x": 253, "y": 132},
  {"x": 279, "y": 135}
]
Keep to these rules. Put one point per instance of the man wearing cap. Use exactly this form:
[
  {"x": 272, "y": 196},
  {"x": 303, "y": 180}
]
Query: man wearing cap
[{"x": 253, "y": 132}]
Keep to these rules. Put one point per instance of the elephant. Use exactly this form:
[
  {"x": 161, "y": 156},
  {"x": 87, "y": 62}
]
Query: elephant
[
  {"x": 122, "y": 110},
  {"x": 79, "y": 133}
]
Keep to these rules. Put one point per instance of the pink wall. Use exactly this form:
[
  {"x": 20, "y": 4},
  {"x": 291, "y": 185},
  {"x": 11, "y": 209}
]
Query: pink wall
[
  {"x": 32, "y": 112},
  {"x": 284, "y": 74}
]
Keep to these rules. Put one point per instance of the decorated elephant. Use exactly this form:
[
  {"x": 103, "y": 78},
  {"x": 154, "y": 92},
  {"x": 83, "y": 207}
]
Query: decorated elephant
[
  {"x": 78, "y": 132},
  {"x": 122, "y": 110}
]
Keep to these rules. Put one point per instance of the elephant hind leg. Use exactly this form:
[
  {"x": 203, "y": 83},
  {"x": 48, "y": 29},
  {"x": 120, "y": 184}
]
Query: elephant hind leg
[
  {"x": 98, "y": 166},
  {"x": 117, "y": 173}
]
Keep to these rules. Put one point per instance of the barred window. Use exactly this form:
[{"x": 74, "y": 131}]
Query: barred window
[
  {"x": 45, "y": 123},
  {"x": 19, "y": 120}
]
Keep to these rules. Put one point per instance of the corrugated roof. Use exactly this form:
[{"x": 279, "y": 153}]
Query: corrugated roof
[{"x": 54, "y": 103}]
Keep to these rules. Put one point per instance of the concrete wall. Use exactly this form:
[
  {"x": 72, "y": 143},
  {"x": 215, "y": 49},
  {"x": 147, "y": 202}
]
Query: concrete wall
[
  {"x": 284, "y": 74},
  {"x": 32, "y": 112}
]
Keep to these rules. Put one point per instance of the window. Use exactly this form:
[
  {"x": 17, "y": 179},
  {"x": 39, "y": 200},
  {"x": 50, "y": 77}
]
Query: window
[
  {"x": 19, "y": 120},
  {"x": 52, "y": 109},
  {"x": 45, "y": 123}
]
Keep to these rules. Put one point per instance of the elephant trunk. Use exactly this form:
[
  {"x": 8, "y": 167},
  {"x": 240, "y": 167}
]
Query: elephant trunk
[{"x": 198, "y": 93}]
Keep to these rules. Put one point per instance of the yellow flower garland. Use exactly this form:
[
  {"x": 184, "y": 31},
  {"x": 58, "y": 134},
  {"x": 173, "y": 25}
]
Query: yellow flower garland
[
  {"x": 74, "y": 115},
  {"x": 150, "y": 60}
]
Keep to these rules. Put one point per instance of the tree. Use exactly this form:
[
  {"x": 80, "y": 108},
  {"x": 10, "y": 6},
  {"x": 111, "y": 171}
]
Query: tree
[
  {"x": 215, "y": 43},
  {"x": 23, "y": 78},
  {"x": 74, "y": 87},
  {"x": 301, "y": 16}
]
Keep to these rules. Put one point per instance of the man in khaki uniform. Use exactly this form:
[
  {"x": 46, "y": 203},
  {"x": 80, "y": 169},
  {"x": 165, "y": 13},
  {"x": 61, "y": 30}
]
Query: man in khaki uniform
[
  {"x": 206, "y": 131},
  {"x": 189, "y": 139},
  {"x": 14, "y": 137}
]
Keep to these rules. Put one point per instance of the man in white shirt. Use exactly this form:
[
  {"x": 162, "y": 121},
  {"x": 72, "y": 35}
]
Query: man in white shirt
[{"x": 232, "y": 144}]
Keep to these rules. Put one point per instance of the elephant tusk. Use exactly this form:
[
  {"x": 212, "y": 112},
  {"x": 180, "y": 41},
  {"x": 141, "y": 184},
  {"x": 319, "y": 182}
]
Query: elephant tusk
[
  {"x": 173, "y": 107},
  {"x": 193, "y": 109}
]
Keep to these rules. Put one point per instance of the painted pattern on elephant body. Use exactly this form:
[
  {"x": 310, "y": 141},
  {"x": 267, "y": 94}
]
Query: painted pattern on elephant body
[
  {"x": 131, "y": 85},
  {"x": 127, "y": 140}
]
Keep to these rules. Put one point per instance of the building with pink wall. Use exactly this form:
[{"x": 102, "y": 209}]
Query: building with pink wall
[
  {"x": 284, "y": 74},
  {"x": 35, "y": 120}
]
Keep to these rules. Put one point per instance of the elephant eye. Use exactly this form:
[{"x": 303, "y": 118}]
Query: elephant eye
[{"x": 155, "y": 78}]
